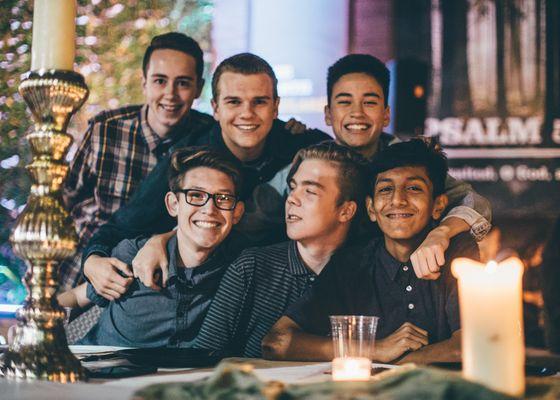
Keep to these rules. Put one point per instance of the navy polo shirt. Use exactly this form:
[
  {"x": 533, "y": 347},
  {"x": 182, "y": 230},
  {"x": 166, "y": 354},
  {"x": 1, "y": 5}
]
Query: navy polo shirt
[{"x": 367, "y": 280}]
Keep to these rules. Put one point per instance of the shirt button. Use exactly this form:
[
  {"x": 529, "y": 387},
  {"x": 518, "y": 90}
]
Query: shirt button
[
  {"x": 410, "y": 306},
  {"x": 409, "y": 288},
  {"x": 405, "y": 268}
]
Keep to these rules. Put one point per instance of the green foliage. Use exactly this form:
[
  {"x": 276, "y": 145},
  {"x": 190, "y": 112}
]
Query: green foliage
[{"x": 111, "y": 38}]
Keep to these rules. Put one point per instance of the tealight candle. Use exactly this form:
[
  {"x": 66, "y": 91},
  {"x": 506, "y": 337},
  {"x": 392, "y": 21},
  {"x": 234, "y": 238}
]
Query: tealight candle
[
  {"x": 351, "y": 369},
  {"x": 490, "y": 299},
  {"x": 54, "y": 35}
]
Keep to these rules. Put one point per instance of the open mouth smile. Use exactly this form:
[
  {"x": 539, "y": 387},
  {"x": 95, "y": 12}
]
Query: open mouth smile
[{"x": 206, "y": 224}]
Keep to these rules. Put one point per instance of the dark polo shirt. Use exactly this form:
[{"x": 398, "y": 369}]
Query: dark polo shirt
[
  {"x": 144, "y": 317},
  {"x": 367, "y": 280}
]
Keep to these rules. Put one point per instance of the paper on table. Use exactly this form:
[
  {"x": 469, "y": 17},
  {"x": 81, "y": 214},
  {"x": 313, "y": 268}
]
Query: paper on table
[{"x": 78, "y": 350}]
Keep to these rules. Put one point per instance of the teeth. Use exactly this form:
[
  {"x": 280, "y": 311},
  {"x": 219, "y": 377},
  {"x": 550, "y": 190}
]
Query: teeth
[
  {"x": 399, "y": 215},
  {"x": 170, "y": 108},
  {"x": 361, "y": 127},
  {"x": 247, "y": 127},
  {"x": 206, "y": 224},
  {"x": 293, "y": 218}
]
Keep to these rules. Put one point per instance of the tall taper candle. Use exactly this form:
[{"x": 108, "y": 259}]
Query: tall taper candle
[
  {"x": 54, "y": 35},
  {"x": 490, "y": 299}
]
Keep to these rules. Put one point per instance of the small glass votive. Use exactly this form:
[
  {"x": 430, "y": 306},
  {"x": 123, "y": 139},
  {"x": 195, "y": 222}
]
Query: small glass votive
[{"x": 353, "y": 340}]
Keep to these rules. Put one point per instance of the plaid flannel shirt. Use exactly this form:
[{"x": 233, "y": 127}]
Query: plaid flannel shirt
[{"x": 117, "y": 151}]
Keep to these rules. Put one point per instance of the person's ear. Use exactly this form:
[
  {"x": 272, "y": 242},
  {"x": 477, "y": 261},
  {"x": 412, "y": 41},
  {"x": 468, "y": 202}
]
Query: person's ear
[
  {"x": 215, "y": 109},
  {"x": 347, "y": 211},
  {"x": 440, "y": 203},
  {"x": 370, "y": 209},
  {"x": 144, "y": 83},
  {"x": 238, "y": 212},
  {"x": 199, "y": 88},
  {"x": 328, "y": 116},
  {"x": 387, "y": 116},
  {"x": 172, "y": 204},
  {"x": 276, "y": 105}
]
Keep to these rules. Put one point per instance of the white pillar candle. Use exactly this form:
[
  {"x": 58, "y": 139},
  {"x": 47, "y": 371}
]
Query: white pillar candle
[
  {"x": 54, "y": 34},
  {"x": 490, "y": 298},
  {"x": 351, "y": 369}
]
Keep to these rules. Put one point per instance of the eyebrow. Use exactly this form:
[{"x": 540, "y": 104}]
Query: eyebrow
[
  {"x": 254, "y": 98},
  {"x": 410, "y": 178},
  {"x": 220, "y": 191},
  {"x": 368, "y": 94},
  {"x": 185, "y": 77}
]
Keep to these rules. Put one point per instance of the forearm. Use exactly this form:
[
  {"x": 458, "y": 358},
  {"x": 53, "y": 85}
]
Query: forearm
[
  {"x": 452, "y": 226},
  {"x": 295, "y": 344},
  {"x": 468, "y": 205},
  {"x": 445, "y": 351}
]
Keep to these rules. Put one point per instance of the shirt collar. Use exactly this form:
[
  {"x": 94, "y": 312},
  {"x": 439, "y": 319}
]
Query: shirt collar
[
  {"x": 391, "y": 265},
  {"x": 214, "y": 261},
  {"x": 295, "y": 264},
  {"x": 157, "y": 144}
]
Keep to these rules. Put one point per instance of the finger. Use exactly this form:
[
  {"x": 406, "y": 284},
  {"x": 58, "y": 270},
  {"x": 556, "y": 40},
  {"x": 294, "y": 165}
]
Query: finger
[
  {"x": 422, "y": 264},
  {"x": 416, "y": 265},
  {"x": 431, "y": 262},
  {"x": 116, "y": 287},
  {"x": 410, "y": 326},
  {"x": 150, "y": 282},
  {"x": 416, "y": 336},
  {"x": 164, "y": 276},
  {"x": 413, "y": 345},
  {"x": 440, "y": 256},
  {"x": 116, "y": 278},
  {"x": 121, "y": 266},
  {"x": 111, "y": 294}
]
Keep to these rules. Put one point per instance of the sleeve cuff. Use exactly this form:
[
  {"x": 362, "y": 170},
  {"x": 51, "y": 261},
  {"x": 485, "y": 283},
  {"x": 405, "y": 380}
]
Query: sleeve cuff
[
  {"x": 479, "y": 225},
  {"x": 97, "y": 299}
]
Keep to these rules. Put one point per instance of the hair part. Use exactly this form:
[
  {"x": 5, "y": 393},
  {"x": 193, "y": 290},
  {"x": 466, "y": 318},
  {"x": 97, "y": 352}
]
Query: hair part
[
  {"x": 423, "y": 152},
  {"x": 175, "y": 41},
  {"x": 245, "y": 64},
  {"x": 359, "y": 63},
  {"x": 185, "y": 159}
]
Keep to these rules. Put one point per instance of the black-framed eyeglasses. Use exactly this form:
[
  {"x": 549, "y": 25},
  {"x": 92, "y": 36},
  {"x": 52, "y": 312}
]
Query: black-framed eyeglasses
[{"x": 198, "y": 198}]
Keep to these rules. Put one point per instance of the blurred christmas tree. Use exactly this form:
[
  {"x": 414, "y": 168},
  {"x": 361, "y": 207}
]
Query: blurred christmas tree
[{"x": 111, "y": 38}]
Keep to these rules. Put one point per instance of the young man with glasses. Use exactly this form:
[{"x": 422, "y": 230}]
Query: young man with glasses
[{"x": 203, "y": 198}]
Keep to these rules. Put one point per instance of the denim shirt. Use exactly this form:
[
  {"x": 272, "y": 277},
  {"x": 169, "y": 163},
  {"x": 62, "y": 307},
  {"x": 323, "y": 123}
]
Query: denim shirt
[{"x": 144, "y": 317}]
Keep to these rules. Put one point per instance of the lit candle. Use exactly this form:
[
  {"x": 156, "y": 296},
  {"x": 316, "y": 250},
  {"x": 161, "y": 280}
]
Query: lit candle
[
  {"x": 351, "y": 369},
  {"x": 54, "y": 35},
  {"x": 490, "y": 299}
]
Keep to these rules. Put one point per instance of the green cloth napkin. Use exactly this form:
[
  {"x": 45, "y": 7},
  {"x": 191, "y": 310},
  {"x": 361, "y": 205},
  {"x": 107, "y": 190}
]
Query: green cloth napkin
[{"x": 231, "y": 381}]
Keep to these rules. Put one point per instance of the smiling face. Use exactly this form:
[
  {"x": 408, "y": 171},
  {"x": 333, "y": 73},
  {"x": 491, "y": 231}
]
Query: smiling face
[
  {"x": 245, "y": 108},
  {"x": 170, "y": 87},
  {"x": 203, "y": 228},
  {"x": 357, "y": 112},
  {"x": 312, "y": 210},
  {"x": 403, "y": 204}
]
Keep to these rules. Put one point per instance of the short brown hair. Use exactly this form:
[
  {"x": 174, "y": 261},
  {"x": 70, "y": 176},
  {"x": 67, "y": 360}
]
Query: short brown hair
[
  {"x": 245, "y": 64},
  {"x": 352, "y": 169},
  {"x": 185, "y": 159}
]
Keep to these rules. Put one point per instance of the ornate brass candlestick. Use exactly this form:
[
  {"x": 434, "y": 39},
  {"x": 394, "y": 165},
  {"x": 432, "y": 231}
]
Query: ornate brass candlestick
[{"x": 44, "y": 233}]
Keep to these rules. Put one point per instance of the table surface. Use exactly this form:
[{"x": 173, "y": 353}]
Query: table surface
[{"x": 287, "y": 372}]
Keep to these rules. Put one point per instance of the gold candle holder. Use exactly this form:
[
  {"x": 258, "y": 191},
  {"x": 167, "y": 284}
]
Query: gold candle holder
[{"x": 44, "y": 233}]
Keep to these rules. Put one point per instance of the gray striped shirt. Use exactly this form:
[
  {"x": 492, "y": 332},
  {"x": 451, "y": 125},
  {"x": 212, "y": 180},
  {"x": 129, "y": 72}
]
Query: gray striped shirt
[{"x": 254, "y": 293}]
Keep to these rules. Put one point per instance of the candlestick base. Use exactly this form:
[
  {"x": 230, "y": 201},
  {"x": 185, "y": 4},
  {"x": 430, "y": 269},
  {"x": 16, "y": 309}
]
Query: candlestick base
[{"x": 44, "y": 233}]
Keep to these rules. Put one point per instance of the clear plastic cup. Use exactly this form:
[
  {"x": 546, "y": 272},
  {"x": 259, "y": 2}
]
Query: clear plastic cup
[{"x": 353, "y": 340}]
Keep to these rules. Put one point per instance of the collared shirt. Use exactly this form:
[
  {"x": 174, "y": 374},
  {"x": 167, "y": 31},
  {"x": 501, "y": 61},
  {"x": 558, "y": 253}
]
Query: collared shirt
[
  {"x": 367, "y": 280},
  {"x": 145, "y": 214},
  {"x": 117, "y": 151},
  {"x": 254, "y": 293},
  {"x": 144, "y": 317}
]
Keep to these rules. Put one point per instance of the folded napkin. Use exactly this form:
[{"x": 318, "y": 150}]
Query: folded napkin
[{"x": 234, "y": 382}]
